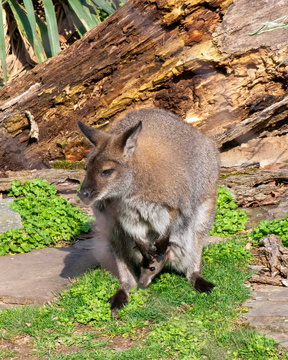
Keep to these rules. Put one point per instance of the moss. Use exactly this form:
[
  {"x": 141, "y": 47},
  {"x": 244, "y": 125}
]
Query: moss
[
  {"x": 68, "y": 93},
  {"x": 66, "y": 164},
  {"x": 224, "y": 176},
  {"x": 15, "y": 124}
]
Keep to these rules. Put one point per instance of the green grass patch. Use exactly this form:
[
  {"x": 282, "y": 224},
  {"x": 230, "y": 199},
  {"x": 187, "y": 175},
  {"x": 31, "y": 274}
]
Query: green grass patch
[
  {"x": 168, "y": 320},
  {"x": 229, "y": 220},
  {"x": 278, "y": 227},
  {"x": 46, "y": 216}
]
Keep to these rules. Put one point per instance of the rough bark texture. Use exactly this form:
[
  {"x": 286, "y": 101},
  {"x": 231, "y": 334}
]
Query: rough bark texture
[
  {"x": 254, "y": 187},
  {"x": 192, "y": 57},
  {"x": 274, "y": 258}
]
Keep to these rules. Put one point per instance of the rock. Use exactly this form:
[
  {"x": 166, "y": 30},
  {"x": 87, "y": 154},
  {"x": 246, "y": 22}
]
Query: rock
[
  {"x": 268, "y": 312},
  {"x": 213, "y": 239},
  {"x": 35, "y": 277},
  {"x": 9, "y": 219}
]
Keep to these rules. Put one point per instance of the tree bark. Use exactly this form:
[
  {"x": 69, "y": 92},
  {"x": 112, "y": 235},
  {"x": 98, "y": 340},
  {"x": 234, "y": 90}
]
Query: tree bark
[{"x": 194, "y": 58}]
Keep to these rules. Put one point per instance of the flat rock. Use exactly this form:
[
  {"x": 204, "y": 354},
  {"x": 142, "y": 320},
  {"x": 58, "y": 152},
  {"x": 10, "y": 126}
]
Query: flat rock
[
  {"x": 9, "y": 219},
  {"x": 268, "y": 312},
  {"x": 35, "y": 277}
]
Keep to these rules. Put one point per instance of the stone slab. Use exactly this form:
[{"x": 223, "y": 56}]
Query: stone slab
[
  {"x": 268, "y": 312},
  {"x": 36, "y": 276},
  {"x": 9, "y": 219}
]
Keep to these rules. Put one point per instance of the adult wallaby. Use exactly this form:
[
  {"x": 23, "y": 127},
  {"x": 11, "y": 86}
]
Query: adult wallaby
[{"x": 151, "y": 172}]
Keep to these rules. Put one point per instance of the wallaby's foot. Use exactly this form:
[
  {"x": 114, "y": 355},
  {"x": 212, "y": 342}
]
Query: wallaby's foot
[
  {"x": 200, "y": 284},
  {"x": 117, "y": 301}
]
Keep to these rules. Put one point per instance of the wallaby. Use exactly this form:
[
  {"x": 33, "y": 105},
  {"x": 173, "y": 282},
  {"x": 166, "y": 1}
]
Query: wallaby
[{"x": 151, "y": 164}]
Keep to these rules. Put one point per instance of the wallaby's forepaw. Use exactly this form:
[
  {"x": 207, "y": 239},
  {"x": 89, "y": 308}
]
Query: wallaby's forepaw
[
  {"x": 117, "y": 301},
  {"x": 202, "y": 285}
]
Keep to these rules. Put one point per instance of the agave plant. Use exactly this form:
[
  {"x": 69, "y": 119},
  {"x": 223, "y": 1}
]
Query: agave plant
[{"x": 32, "y": 31}]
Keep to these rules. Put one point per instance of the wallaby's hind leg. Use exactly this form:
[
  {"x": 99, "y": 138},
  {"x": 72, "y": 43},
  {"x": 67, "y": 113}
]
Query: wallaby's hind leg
[
  {"x": 200, "y": 284},
  {"x": 117, "y": 301},
  {"x": 203, "y": 221}
]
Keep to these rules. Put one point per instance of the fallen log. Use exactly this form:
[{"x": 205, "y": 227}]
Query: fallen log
[{"x": 193, "y": 58}]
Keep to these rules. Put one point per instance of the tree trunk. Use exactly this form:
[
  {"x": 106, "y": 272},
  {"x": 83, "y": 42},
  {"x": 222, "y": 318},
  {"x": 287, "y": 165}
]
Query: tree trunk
[{"x": 194, "y": 58}]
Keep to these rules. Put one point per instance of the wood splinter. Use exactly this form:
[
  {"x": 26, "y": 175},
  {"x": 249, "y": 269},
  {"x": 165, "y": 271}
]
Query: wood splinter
[{"x": 34, "y": 129}]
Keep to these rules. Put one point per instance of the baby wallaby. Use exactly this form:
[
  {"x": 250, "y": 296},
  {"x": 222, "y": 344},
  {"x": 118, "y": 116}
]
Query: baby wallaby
[
  {"x": 151, "y": 164},
  {"x": 155, "y": 257}
]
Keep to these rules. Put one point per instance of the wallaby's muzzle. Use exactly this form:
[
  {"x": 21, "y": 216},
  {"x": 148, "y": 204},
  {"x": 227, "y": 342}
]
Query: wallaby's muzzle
[{"x": 84, "y": 195}]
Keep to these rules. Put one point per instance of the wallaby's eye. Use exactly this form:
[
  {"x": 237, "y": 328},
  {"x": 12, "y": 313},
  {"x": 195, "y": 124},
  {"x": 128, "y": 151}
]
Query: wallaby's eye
[
  {"x": 152, "y": 268},
  {"x": 106, "y": 173}
]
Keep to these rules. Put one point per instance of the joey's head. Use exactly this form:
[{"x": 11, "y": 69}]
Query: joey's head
[
  {"x": 150, "y": 268},
  {"x": 109, "y": 173}
]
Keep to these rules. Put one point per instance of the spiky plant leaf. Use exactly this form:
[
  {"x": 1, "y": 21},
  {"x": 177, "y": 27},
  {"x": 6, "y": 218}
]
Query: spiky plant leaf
[
  {"x": 85, "y": 16},
  {"x": 36, "y": 41},
  {"x": 2, "y": 46},
  {"x": 52, "y": 26},
  {"x": 107, "y": 6},
  {"x": 26, "y": 29},
  {"x": 43, "y": 33}
]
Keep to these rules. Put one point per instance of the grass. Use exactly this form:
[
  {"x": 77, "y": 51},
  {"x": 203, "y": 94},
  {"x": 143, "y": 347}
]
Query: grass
[
  {"x": 47, "y": 218},
  {"x": 168, "y": 320},
  {"x": 278, "y": 227}
]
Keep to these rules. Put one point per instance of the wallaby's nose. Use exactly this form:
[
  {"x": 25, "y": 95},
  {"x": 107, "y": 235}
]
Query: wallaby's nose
[
  {"x": 84, "y": 194},
  {"x": 143, "y": 283}
]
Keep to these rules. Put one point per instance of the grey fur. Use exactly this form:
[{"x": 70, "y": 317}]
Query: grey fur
[{"x": 151, "y": 172}]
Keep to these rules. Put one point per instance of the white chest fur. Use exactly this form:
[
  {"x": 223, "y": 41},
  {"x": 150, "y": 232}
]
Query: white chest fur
[{"x": 138, "y": 218}]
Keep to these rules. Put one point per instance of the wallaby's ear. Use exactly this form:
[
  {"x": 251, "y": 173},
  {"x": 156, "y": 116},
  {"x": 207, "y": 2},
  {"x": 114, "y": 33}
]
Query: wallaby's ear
[
  {"x": 93, "y": 135},
  {"x": 128, "y": 140}
]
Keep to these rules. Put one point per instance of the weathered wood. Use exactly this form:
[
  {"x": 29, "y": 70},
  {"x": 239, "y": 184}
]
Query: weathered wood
[
  {"x": 273, "y": 257},
  {"x": 252, "y": 125},
  {"x": 64, "y": 179},
  {"x": 265, "y": 280},
  {"x": 255, "y": 187},
  {"x": 276, "y": 255},
  {"x": 171, "y": 54}
]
